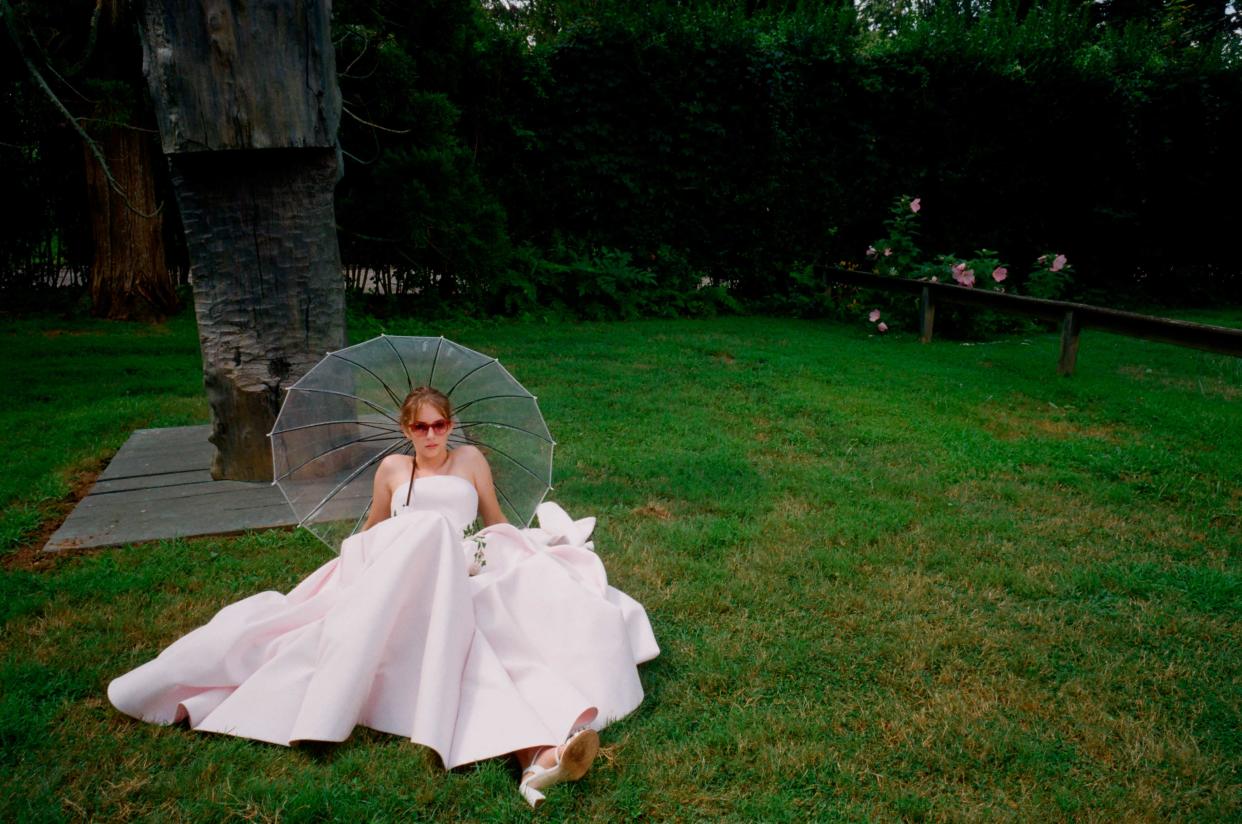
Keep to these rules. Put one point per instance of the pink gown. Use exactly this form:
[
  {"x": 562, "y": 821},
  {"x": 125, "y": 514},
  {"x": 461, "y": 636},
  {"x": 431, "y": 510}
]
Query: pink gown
[{"x": 396, "y": 634}]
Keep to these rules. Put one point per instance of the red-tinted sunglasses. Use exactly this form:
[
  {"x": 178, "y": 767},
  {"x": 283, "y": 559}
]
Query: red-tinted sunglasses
[{"x": 435, "y": 427}]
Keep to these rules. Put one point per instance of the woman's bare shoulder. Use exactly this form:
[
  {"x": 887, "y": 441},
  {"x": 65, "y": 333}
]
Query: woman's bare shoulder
[
  {"x": 469, "y": 453},
  {"x": 472, "y": 459},
  {"x": 394, "y": 463}
]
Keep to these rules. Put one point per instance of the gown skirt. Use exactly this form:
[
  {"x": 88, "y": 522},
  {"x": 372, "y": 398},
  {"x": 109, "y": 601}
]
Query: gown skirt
[{"x": 398, "y": 635}]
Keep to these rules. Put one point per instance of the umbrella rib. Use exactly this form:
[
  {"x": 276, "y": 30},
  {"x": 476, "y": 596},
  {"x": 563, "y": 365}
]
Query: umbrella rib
[
  {"x": 512, "y": 505},
  {"x": 363, "y": 439},
  {"x": 366, "y": 510},
  {"x": 365, "y": 465},
  {"x": 501, "y": 452},
  {"x": 470, "y": 403},
  {"x": 464, "y": 424},
  {"x": 434, "y": 360},
  {"x": 498, "y": 490},
  {"x": 382, "y": 382},
  {"x": 409, "y": 382},
  {"x": 354, "y": 421},
  {"x": 374, "y": 406},
  {"x": 468, "y": 374}
]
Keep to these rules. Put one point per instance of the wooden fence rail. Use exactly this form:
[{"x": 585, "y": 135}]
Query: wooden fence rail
[{"x": 1073, "y": 317}]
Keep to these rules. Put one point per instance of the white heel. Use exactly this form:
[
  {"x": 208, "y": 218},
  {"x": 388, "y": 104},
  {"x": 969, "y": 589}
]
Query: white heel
[
  {"x": 572, "y": 762},
  {"x": 533, "y": 797}
]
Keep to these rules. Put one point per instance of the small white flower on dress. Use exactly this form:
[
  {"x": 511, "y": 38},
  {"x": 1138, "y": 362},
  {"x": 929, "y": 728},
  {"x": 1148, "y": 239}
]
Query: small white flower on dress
[{"x": 480, "y": 543}]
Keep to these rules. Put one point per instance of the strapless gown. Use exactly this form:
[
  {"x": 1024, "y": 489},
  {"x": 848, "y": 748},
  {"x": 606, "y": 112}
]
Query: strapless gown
[{"x": 396, "y": 634}]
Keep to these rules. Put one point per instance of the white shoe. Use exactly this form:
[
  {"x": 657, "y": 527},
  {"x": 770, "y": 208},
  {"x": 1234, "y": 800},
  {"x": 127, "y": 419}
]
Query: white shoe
[{"x": 573, "y": 760}]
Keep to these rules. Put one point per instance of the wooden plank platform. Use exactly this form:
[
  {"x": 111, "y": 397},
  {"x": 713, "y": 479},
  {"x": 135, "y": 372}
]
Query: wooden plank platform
[{"x": 159, "y": 486}]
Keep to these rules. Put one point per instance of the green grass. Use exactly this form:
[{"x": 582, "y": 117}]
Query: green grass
[{"x": 891, "y": 581}]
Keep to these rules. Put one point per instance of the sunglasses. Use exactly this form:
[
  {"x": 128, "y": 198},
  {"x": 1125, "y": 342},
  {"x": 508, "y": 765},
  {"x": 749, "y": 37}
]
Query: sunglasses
[{"x": 439, "y": 427}]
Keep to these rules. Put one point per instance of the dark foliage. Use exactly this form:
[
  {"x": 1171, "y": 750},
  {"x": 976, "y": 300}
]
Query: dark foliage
[
  {"x": 88, "y": 53},
  {"x": 605, "y": 159}
]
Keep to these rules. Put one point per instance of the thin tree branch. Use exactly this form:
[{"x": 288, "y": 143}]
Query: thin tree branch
[
  {"x": 351, "y": 232},
  {"x": 366, "y": 44},
  {"x": 90, "y": 41},
  {"x": 357, "y": 159},
  {"x": 6, "y": 11},
  {"x": 373, "y": 125},
  {"x": 366, "y": 76},
  {"x": 116, "y": 123},
  {"x": 68, "y": 85}
]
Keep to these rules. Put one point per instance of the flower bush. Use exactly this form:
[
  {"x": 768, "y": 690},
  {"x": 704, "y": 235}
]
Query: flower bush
[
  {"x": 897, "y": 254},
  {"x": 1051, "y": 277}
]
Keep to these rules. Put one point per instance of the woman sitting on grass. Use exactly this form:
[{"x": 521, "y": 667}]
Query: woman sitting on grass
[{"x": 532, "y": 651}]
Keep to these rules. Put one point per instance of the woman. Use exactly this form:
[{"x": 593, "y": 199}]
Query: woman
[{"x": 531, "y": 651}]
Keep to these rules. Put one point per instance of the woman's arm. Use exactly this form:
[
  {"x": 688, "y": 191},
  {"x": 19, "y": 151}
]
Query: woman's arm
[
  {"x": 481, "y": 474},
  {"x": 381, "y": 491}
]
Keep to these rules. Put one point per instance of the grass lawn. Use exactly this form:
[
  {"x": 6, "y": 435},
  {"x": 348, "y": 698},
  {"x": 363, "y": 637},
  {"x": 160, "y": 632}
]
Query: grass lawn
[{"x": 890, "y": 581}]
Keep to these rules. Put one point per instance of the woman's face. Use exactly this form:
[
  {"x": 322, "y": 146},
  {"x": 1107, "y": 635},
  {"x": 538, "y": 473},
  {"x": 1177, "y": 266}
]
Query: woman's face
[{"x": 429, "y": 433}]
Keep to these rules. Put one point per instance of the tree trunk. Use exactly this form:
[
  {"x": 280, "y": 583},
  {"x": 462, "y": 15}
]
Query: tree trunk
[
  {"x": 129, "y": 279},
  {"x": 268, "y": 292},
  {"x": 246, "y": 99}
]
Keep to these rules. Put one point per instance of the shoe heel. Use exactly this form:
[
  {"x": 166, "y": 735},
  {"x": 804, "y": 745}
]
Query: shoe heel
[{"x": 533, "y": 797}]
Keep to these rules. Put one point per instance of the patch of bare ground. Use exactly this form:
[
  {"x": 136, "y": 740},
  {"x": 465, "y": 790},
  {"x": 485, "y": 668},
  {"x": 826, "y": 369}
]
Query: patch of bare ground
[
  {"x": 1204, "y": 385},
  {"x": 1051, "y": 511},
  {"x": 1021, "y": 416},
  {"x": 73, "y": 333},
  {"x": 789, "y": 507},
  {"x": 29, "y": 555},
  {"x": 653, "y": 509}
]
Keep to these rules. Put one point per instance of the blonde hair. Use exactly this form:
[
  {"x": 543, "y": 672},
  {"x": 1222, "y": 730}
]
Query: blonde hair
[{"x": 421, "y": 395}]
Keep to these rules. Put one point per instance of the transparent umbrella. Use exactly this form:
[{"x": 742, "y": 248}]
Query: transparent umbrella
[{"x": 343, "y": 417}]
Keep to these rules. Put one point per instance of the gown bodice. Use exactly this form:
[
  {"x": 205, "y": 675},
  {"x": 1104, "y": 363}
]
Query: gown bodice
[{"x": 451, "y": 495}]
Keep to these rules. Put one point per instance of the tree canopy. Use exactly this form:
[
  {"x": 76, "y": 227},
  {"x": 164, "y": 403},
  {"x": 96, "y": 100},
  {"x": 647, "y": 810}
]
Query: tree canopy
[{"x": 611, "y": 158}]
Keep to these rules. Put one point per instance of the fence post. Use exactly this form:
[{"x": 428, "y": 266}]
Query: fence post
[
  {"x": 927, "y": 315},
  {"x": 1069, "y": 343}
]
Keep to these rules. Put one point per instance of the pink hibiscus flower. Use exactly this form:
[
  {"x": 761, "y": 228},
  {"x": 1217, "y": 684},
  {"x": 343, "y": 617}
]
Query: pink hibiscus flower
[
  {"x": 874, "y": 316},
  {"x": 882, "y": 326},
  {"x": 1000, "y": 273},
  {"x": 1057, "y": 264},
  {"x": 916, "y": 204}
]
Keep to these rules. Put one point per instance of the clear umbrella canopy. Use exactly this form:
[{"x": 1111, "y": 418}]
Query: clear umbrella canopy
[{"x": 343, "y": 417}]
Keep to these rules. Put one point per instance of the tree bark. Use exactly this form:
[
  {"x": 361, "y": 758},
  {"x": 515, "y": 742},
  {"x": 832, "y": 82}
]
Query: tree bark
[
  {"x": 268, "y": 293},
  {"x": 247, "y": 104},
  {"x": 129, "y": 279},
  {"x": 241, "y": 74}
]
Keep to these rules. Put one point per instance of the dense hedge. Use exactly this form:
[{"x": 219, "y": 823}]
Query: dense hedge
[
  {"x": 616, "y": 163},
  {"x": 707, "y": 144},
  {"x": 752, "y": 151}
]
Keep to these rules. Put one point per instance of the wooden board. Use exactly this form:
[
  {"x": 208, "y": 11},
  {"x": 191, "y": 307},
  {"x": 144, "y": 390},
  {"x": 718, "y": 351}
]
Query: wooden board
[
  {"x": 1221, "y": 339},
  {"x": 159, "y": 486}
]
